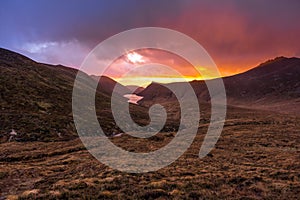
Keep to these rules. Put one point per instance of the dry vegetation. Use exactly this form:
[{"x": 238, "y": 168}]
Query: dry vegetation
[{"x": 257, "y": 157}]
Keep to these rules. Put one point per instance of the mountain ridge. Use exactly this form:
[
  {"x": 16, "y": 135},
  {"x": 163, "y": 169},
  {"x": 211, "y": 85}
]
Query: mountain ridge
[
  {"x": 36, "y": 100},
  {"x": 274, "y": 82}
]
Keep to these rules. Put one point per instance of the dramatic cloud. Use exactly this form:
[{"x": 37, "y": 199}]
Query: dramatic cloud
[{"x": 237, "y": 34}]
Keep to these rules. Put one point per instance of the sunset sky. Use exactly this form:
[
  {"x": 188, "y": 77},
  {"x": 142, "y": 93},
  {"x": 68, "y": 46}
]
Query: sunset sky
[
  {"x": 238, "y": 34},
  {"x": 128, "y": 65}
]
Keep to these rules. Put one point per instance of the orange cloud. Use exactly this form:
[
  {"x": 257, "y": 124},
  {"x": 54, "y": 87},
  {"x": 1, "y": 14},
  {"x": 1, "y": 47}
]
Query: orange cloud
[{"x": 179, "y": 68}]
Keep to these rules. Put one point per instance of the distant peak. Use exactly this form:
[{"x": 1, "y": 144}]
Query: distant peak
[
  {"x": 280, "y": 57},
  {"x": 157, "y": 83},
  {"x": 277, "y": 59}
]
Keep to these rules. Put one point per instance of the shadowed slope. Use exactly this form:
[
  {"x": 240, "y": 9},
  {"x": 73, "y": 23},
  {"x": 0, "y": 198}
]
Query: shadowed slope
[
  {"x": 273, "y": 85},
  {"x": 36, "y": 100}
]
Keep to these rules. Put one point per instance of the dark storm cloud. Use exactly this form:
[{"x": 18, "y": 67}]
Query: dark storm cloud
[
  {"x": 235, "y": 32},
  {"x": 86, "y": 21}
]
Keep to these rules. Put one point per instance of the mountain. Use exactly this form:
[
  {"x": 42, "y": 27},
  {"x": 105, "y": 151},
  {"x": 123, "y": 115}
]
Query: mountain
[
  {"x": 273, "y": 85},
  {"x": 135, "y": 89},
  {"x": 107, "y": 85},
  {"x": 36, "y": 100}
]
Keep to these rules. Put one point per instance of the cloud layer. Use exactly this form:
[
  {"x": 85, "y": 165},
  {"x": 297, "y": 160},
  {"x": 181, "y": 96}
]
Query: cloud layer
[{"x": 237, "y": 34}]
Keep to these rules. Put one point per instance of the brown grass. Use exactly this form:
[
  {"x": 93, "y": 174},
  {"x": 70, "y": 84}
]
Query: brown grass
[{"x": 256, "y": 157}]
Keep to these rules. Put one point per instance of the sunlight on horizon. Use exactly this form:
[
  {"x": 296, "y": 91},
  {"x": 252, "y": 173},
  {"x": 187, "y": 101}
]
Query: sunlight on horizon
[{"x": 145, "y": 81}]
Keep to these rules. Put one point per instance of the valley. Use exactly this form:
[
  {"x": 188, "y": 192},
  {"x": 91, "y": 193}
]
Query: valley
[{"x": 256, "y": 157}]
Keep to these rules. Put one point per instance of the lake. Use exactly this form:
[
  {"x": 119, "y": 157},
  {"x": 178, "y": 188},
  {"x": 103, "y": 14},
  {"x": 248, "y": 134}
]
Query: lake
[{"x": 133, "y": 98}]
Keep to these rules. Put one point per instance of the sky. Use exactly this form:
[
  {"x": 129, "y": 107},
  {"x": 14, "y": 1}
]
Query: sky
[{"x": 237, "y": 34}]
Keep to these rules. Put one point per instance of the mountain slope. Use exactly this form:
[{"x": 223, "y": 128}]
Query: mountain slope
[
  {"x": 135, "y": 89},
  {"x": 107, "y": 85},
  {"x": 272, "y": 85},
  {"x": 36, "y": 100},
  {"x": 274, "y": 80}
]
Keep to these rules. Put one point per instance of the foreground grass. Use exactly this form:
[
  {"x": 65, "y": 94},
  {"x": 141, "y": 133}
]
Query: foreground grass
[{"x": 257, "y": 157}]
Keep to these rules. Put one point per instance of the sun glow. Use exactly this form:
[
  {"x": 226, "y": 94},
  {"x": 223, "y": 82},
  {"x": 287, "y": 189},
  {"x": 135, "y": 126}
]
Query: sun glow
[
  {"x": 141, "y": 67},
  {"x": 135, "y": 58}
]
